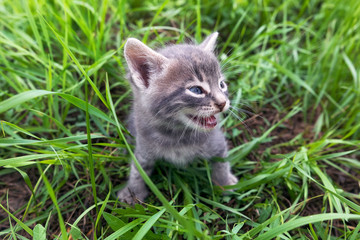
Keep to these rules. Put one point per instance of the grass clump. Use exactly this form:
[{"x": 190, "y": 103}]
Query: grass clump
[{"x": 293, "y": 73}]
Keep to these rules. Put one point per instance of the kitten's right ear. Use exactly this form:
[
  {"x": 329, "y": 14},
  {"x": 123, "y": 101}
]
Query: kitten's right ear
[
  {"x": 209, "y": 43},
  {"x": 142, "y": 62}
]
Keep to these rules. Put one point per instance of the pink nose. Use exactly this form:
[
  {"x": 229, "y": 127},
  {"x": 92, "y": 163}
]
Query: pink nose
[{"x": 220, "y": 105}]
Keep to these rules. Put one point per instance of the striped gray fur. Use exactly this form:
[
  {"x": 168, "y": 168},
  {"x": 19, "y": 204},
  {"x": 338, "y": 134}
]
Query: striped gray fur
[{"x": 179, "y": 91}]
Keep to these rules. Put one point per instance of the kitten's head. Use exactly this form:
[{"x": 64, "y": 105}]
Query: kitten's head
[{"x": 180, "y": 85}]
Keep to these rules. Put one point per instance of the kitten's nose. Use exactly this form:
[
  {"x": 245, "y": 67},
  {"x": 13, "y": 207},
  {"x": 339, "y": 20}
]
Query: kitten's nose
[{"x": 220, "y": 105}]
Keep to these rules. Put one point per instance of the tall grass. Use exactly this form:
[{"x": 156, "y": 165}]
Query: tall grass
[{"x": 64, "y": 101}]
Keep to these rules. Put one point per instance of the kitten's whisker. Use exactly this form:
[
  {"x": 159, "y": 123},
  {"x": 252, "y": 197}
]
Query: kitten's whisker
[
  {"x": 195, "y": 130},
  {"x": 242, "y": 110},
  {"x": 228, "y": 60},
  {"x": 229, "y": 56},
  {"x": 247, "y": 112},
  {"x": 183, "y": 132},
  {"x": 237, "y": 116},
  {"x": 228, "y": 53},
  {"x": 242, "y": 121},
  {"x": 229, "y": 67}
]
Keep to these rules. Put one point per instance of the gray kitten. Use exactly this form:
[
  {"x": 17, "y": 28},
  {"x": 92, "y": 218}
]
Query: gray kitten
[{"x": 179, "y": 92}]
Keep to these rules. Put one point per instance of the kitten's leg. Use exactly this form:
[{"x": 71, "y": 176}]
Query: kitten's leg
[
  {"x": 221, "y": 171},
  {"x": 136, "y": 187},
  {"x": 221, "y": 174}
]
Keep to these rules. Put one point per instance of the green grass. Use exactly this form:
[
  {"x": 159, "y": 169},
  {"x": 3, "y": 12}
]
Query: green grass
[{"x": 292, "y": 67}]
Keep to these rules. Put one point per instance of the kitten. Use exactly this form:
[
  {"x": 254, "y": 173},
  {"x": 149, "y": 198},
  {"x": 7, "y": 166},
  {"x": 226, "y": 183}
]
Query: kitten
[{"x": 178, "y": 93}]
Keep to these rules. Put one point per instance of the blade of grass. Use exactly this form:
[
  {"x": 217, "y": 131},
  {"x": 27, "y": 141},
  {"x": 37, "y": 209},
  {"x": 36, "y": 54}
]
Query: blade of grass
[
  {"x": 160, "y": 9},
  {"x": 33, "y": 26},
  {"x": 21, "y": 98},
  {"x": 148, "y": 224},
  {"x": 198, "y": 21},
  {"x": 21, "y": 224},
  {"x": 54, "y": 200},
  {"x": 292, "y": 224},
  {"x": 15, "y": 161},
  {"x": 98, "y": 93},
  {"x": 355, "y": 233},
  {"x": 329, "y": 185},
  {"x": 124, "y": 229},
  {"x": 5, "y": 142},
  {"x": 292, "y": 76},
  {"x": 233, "y": 31},
  {"x": 222, "y": 206},
  {"x": 90, "y": 160},
  {"x": 28, "y": 95},
  {"x": 104, "y": 204}
]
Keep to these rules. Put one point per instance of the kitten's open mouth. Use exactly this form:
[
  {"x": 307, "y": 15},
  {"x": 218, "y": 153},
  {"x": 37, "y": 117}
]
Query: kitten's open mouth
[{"x": 205, "y": 122}]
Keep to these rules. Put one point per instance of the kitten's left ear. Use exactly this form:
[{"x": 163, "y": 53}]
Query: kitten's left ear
[
  {"x": 143, "y": 62},
  {"x": 209, "y": 43}
]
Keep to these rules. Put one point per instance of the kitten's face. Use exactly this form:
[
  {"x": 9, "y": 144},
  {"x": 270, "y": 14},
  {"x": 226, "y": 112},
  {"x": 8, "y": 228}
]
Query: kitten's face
[
  {"x": 192, "y": 90},
  {"x": 182, "y": 85}
]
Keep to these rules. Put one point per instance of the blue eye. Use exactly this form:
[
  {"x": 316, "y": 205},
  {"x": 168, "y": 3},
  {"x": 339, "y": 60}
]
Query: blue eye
[
  {"x": 197, "y": 90},
  {"x": 222, "y": 84}
]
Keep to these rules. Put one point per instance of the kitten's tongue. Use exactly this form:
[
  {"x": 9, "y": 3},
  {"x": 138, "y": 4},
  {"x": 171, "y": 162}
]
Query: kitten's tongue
[{"x": 207, "y": 122}]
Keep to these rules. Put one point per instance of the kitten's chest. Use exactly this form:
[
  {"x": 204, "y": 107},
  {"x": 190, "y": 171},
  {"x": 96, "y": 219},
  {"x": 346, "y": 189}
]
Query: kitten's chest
[
  {"x": 180, "y": 148},
  {"x": 183, "y": 154}
]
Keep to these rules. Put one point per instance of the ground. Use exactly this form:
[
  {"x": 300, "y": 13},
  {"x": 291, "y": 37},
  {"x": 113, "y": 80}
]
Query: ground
[{"x": 15, "y": 193}]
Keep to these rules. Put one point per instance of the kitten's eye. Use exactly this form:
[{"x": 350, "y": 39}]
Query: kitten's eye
[
  {"x": 196, "y": 90},
  {"x": 222, "y": 84}
]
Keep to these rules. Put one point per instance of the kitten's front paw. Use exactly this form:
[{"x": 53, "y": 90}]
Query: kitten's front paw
[
  {"x": 232, "y": 180},
  {"x": 127, "y": 196},
  {"x": 227, "y": 180},
  {"x": 224, "y": 179}
]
